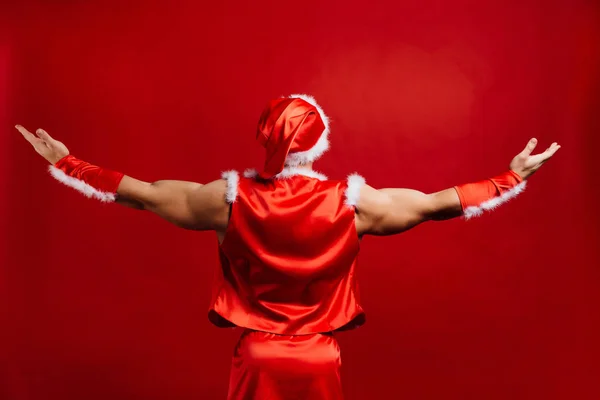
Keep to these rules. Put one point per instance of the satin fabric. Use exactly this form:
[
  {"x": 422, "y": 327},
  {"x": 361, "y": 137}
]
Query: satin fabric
[
  {"x": 267, "y": 366},
  {"x": 99, "y": 178},
  {"x": 473, "y": 194},
  {"x": 287, "y": 125},
  {"x": 287, "y": 262}
]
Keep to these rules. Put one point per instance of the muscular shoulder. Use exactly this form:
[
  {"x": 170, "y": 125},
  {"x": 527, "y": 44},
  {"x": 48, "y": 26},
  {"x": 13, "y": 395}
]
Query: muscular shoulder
[
  {"x": 370, "y": 207},
  {"x": 371, "y": 199},
  {"x": 210, "y": 206}
]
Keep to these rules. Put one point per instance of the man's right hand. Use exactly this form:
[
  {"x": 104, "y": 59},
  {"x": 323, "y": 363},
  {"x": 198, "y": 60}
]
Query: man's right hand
[{"x": 51, "y": 149}]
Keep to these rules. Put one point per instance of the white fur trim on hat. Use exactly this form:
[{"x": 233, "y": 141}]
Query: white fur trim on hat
[
  {"x": 352, "y": 192},
  {"x": 322, "y": 145},
  {"x": 288, "y": 172},
  {"x": 233, "y": 178},
  {"x": 81, "y": 186},
  {"x": 491, "y": 204}
]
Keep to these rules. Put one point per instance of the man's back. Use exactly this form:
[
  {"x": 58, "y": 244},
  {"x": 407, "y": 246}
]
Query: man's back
[{"x": 288, "y": 256}]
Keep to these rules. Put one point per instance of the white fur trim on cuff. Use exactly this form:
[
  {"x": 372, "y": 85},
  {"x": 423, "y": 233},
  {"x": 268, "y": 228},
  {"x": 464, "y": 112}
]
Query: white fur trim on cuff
[
  {"x": 491, "y": 204},
  {"x": 233, "y": 178},
  {"x": 81, "y": 186},
  {"x": 352, "y": 193},
  {"x": 322, "y": 145}
]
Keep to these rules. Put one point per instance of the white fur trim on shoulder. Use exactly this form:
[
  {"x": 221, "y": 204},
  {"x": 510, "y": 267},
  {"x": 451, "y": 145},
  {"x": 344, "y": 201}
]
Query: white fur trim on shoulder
[
  {"x": 81, "y": 186},
  {"x": 233, "y": 178},
  {"x": 491, "y": 204},
  {"x": 352, "y": 193},
  {"x": 322, "y": 145}
]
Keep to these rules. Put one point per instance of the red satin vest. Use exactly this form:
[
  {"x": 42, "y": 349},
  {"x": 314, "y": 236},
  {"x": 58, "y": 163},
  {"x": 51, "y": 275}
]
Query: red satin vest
[{"x": 288, "y": 258}]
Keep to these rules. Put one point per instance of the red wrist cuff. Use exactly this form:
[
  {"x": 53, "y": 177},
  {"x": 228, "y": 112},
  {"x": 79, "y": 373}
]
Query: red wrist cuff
[
  {"x": 89, "y": 179},
  {"x": 475, "y": 198}
]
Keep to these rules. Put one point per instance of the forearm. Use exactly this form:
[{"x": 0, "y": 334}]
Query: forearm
[
  {"x": 472, "y": 199},
  {"x": 486, "y": 195},
  {"x": 445, "y": 205},
  {"x": 166, "y": 198}
]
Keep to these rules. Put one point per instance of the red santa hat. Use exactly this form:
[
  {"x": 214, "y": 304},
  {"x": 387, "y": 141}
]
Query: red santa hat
[{"x": 293, "y": 130}]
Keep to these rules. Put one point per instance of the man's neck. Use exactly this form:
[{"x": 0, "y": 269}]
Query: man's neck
[{"x": 308, "y": 166}]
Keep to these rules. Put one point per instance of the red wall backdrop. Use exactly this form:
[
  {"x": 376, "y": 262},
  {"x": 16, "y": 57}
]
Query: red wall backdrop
[{"x": 103, "y": 302}]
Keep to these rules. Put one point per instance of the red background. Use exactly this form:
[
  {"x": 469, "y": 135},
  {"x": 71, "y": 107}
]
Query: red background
[{"x": 103, "y": 302}]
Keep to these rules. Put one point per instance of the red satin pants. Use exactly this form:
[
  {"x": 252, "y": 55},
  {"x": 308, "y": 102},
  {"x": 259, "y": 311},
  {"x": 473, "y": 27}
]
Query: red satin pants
[{"x": 268, "y": 366}]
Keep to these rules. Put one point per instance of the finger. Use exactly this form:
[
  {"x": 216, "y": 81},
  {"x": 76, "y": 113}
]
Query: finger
[
  {"x": 30, "y": 137},
  {"x": 44, "y": 135},
  {"x": 553, "y": 146},
  {"x": 530, "y": 146},
  {"x": 545, "y": 156},
  {"x": 550, "y": 151}
]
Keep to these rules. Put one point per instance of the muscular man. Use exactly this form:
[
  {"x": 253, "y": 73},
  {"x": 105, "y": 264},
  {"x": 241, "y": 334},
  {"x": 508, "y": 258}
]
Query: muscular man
[{"x": 288, "y": 241}]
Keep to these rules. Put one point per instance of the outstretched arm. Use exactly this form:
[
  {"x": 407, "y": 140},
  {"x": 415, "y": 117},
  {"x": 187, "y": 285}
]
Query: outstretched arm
[
  {"x": 186, "y": 204},
  {"x": 391, "y": 211}
]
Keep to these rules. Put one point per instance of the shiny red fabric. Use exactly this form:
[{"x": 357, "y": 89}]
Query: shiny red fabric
[
  {"x": 287, "y": 125},
  {"x": 97, "y": 177},
  {"x": 287, "y": 262},
  {"x": 280, "y": 367},
  {"x": 473, "y": 194}
]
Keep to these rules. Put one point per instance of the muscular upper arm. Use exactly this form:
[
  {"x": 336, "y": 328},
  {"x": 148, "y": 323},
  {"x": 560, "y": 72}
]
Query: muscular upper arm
[
  {"x": 208, "y": 206},
  {"x": 390, "y": 211},
  {"x": 189, "y": 205}
]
